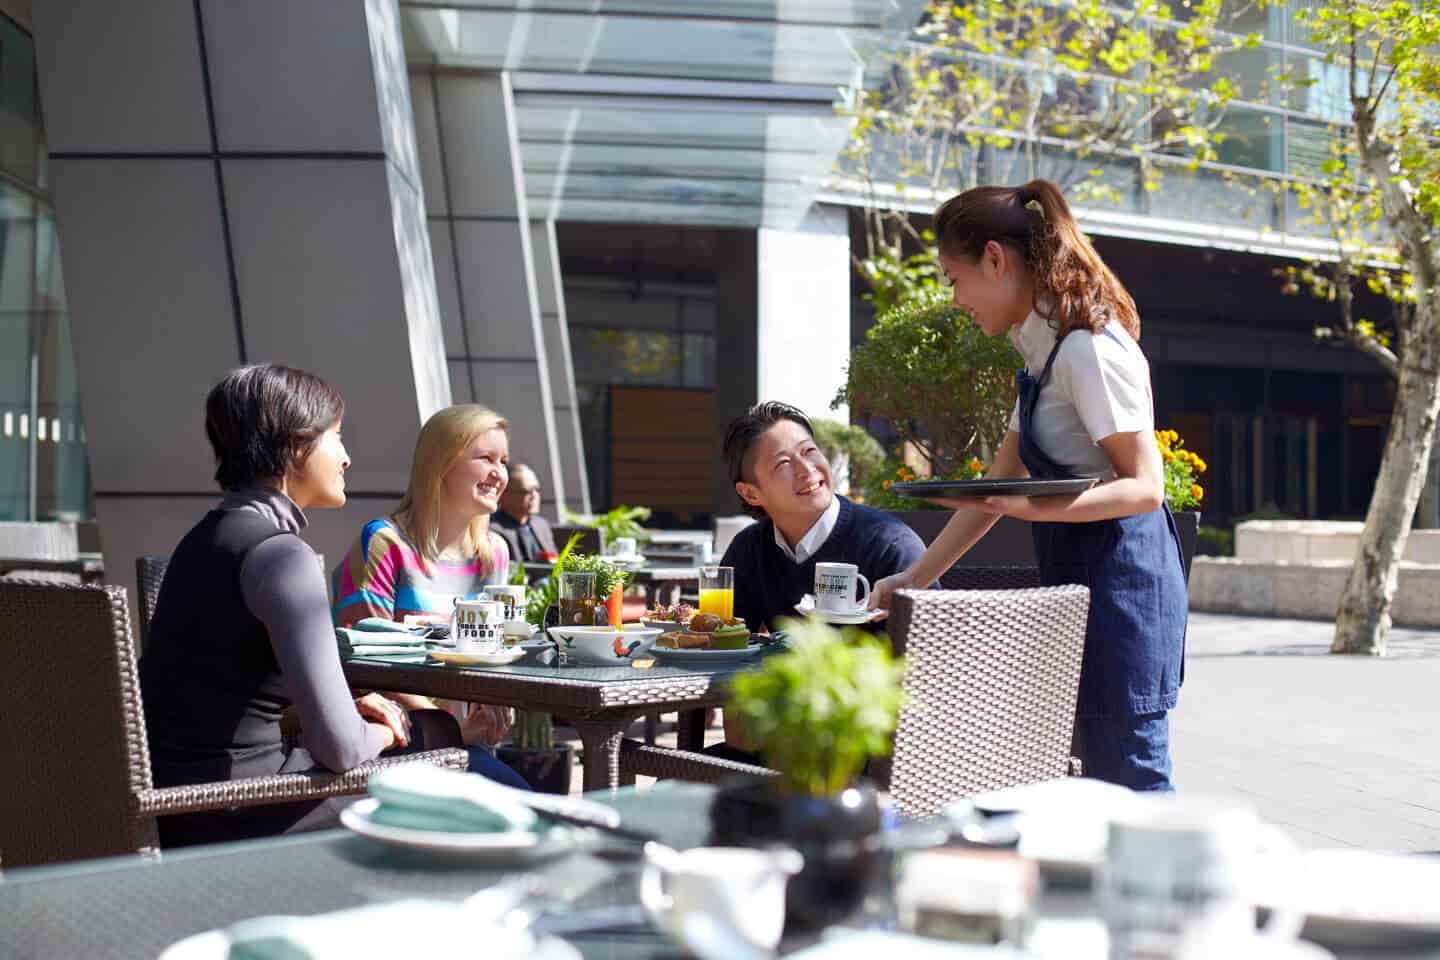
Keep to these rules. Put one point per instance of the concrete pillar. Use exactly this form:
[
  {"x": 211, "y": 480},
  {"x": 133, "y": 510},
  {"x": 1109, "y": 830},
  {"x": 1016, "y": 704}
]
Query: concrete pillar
[
  {"x": 236, "y": 182},
  {"x": 479, "y": 220},
  {"x": 782, "y": 322},
  {"x": 569, "y": 440}
]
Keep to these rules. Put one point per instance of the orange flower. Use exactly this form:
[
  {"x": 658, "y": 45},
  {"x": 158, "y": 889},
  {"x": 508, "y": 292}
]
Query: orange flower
[
  {"x": 885, "y": 484},
  {"x": 975, "y": 465},
  {"x": 1197, "y": 491}
]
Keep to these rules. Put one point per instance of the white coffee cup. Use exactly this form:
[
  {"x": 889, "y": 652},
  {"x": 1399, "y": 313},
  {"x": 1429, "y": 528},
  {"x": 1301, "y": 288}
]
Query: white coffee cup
[
  {"x": 623, "y": 547},
  {"x": 835, "y": 587},
  {"x": 513, "y": 596},
  {"x": 1179, "y": 871},
  {"x": 477, "y": 626},
  {"x": 740, "y": 889}
]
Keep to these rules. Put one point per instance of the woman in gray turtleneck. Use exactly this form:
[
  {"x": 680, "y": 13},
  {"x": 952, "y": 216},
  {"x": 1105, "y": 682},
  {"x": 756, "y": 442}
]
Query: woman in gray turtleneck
[{"x": 242, "y": 626}]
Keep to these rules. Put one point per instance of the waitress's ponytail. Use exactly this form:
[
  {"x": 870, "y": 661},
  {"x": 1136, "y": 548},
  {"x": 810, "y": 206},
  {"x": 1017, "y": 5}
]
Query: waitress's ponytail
[{"x": 1073, "y": 287}]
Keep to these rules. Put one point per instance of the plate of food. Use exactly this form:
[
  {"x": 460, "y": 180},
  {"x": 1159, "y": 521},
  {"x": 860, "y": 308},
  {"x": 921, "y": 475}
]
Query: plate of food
[
  {"x": 966, "y": 489},
  {"x": 708, "y": 638},
  {"x": 668, "y": 618}
]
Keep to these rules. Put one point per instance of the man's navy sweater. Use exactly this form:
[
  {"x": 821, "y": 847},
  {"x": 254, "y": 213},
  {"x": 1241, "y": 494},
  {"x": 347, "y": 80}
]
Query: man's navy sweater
[{"x": 768, "y": 584}]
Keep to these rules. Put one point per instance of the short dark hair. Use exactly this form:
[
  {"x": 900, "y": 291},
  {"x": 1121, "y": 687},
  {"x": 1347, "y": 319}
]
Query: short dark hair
[
  {"x": 263, "y": 419},
  {"x": 745, "y": 430}
]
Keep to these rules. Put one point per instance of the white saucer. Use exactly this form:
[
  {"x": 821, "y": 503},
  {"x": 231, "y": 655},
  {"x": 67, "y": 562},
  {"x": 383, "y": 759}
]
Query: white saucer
[
  {"x": 1359, "y": 899},
  {"x": 503, "y": 846},
  {"x": 631, "y": 559},
  {"x": 498, "y": 658},
  {"x": 854, "y": 616}
]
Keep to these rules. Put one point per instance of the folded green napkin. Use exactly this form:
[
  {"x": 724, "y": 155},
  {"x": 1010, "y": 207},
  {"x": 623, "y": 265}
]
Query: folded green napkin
[
  {"x": 349, "y": 636},
  {"x": 379, "y": 625},
  {"x": 394, "y": 929},
  {"x": 401, "y": 654},
  {"x": 423, "y": 797}
]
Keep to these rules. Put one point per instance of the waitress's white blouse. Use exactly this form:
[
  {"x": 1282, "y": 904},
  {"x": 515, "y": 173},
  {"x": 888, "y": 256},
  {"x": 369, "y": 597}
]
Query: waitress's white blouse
[{"x": 1099, "y": 386}]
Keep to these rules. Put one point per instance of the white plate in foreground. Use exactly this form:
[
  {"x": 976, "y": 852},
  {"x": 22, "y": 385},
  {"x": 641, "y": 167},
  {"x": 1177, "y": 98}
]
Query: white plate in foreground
[
  {"x": 1356, "y": 899},
  {"x": 216, "y": 944},
  {"x": 503, "y": 846},
  {"x": 697, "y": 657},
  {"x": 859, "y": 615},
  {"x": 498, "y": 658}
]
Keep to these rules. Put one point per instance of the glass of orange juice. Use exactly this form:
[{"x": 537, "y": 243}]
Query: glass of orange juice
[{"x": 717, "y": 591}]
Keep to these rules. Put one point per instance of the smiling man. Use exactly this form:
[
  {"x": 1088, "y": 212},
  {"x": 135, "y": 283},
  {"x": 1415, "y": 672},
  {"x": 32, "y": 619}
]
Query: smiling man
[{"x": 783, "y": 478}]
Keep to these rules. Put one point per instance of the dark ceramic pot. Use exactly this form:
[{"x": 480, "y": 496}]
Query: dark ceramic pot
[
  {"x": 836, "y": 835},
  {"x": 547, "y": 771}
]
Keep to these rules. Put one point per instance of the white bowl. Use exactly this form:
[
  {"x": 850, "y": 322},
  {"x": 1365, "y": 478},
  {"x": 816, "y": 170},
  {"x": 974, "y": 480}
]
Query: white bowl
[{"x": 603, "y": 646}]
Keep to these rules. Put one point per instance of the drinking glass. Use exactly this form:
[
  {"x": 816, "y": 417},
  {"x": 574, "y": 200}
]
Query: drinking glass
[
  {"x": 717, "y": 591},
  {"x": 577, "y": 598}
]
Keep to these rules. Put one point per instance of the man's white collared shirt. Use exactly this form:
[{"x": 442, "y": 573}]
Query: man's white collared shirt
[{"x": 815, "y": 537}]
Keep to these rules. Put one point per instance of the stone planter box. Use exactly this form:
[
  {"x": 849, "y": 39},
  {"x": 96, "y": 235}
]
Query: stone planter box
[
  {"x": 1319, "y": 541},
  {"x": 1305, "y": 591}
]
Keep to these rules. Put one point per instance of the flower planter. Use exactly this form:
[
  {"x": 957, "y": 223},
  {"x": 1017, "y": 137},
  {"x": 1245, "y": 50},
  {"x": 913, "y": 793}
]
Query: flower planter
[
  {"x": 547, "y": 771},
  {"x": 835, "y": 835},
  {"x": 1008, "y": 543}
]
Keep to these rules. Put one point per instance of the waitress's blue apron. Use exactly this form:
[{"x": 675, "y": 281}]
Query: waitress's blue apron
[{"x": 1135, "y": 634}]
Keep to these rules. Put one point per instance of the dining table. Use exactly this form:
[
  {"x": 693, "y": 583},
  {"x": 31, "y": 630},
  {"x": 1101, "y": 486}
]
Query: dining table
[
  {"x": 600, "y": 702},
  {"x": 135, "y": 908}
]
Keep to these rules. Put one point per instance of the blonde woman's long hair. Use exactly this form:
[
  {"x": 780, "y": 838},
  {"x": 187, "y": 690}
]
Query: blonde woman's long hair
[{"x": 442, "y": 442}]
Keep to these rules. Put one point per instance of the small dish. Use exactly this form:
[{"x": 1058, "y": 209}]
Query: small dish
[
  {"x": 697, "y": 656},
  {"x": 497, "y": 658},
  {"x": 854, "y": 617},
  {"x": 507, "y": 846}
]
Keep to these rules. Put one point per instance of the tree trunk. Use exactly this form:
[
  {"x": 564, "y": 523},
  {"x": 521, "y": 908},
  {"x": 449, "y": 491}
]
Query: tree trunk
[{"x": 1362, "y": 624}]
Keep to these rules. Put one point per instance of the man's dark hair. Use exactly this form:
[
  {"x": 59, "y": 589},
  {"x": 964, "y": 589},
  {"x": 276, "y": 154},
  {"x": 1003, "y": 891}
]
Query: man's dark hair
[
  {"x": 263, "y": 419},
  {"x": 744, "y": 431}
]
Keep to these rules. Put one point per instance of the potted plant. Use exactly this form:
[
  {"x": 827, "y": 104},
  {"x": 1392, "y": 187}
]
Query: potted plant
[
  {"x": 1183, "y": 491},
  {"x": 622, "y": 521},
  {"x": 818, "y": 712}
]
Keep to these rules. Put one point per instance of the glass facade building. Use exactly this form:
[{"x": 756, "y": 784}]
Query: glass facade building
[{"x": 43, "y": 470}]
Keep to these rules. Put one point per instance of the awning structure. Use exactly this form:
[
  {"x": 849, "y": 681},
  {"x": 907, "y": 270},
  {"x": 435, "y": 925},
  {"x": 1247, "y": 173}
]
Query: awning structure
[{"x": 669, "y": 111}]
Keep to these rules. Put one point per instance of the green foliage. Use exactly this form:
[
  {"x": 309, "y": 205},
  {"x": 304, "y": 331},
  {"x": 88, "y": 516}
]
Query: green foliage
[
  {"x": 866, "y": 455},
  {"x": 1118, "y": 93},
  {"x": 821, "y": 709},
  {"x": 546, "y": 593},
  {"x": 622, "y": 521},
  {"x": 878, "y": 492},
  {"x": 517, "y": 576},
  {"x": 944, "y": 385},
  {"x": 1214, "y": 542}
]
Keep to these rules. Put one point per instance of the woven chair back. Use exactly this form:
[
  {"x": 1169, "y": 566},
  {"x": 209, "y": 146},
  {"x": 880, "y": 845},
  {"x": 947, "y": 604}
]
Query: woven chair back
[
  {"x": 990, "y": 688},
  {"x": 75, "y": 753}
]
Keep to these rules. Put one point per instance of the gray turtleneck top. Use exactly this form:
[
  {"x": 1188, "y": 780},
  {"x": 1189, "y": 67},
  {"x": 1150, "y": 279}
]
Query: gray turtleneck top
[{"x": 283, "y": 586}]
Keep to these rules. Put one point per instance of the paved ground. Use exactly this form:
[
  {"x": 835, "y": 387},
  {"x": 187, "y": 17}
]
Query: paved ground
[{"x": 1340, "y": 751}]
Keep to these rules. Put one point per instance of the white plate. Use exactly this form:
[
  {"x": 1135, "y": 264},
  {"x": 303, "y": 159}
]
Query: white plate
[
  {"x": 668, "y": 655},
  {"x": 806, "y": 607},
  {"x": 505, "y": 846},
  {"x": 215, "y": 945},
  {"x": 632, "y": 560},
  {"x": 497, "y": 659}
]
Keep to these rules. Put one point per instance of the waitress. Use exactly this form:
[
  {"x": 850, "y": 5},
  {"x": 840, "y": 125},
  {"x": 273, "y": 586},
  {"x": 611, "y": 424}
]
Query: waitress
[{"x": 1019, "y": 265}]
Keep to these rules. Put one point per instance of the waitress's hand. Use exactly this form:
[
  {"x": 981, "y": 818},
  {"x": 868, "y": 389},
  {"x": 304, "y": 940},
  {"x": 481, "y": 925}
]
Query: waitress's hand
[{"x": 885, "y": 588}]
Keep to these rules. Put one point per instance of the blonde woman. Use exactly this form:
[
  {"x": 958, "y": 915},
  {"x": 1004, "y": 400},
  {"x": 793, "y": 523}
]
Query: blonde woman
[{"x": 438, "y": 546}]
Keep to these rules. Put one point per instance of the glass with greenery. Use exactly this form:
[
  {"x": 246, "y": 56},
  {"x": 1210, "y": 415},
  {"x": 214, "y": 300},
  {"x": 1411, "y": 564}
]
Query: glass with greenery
[
  {"x": 946, "y": 387},
  {"x": 822, "y": 708}
]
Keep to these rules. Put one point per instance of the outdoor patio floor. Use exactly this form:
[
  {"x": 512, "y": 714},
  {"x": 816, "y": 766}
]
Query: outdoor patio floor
[{"x": 1339, "y": 751}]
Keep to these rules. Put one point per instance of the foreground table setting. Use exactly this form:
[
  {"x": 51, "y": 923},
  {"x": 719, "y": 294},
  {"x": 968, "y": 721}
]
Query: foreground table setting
[{"x": 611, "y": 891}]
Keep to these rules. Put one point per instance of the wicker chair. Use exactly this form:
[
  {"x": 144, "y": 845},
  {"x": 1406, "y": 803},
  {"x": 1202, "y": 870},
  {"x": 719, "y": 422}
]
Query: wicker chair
[
  {"x": 991, "y": 688},
  {"x": 75, "y": 762}
]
